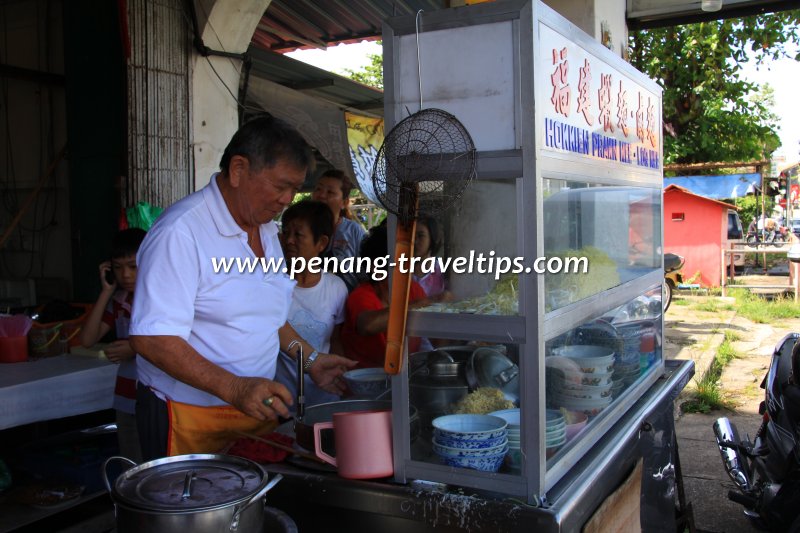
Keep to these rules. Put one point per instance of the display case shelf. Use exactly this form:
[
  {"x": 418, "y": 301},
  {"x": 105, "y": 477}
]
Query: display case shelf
[{"x": 569, "y": 164}]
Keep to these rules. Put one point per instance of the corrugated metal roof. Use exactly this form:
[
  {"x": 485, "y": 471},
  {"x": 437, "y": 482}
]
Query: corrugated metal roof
[
  {"x": 291, "y": 24},
  {"x": 315, "y": 82}
]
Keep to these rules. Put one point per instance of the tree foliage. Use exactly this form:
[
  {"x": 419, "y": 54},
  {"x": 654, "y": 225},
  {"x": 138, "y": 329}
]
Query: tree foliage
[
  {"x": 371, "y": 74},
  {"x": 710, "y": 113}
]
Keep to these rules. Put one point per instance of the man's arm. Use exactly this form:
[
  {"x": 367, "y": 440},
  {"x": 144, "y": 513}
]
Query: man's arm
[{"x": 177, "y": 358}]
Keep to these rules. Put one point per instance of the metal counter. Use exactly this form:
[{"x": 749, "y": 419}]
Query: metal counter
[{"x": 320, "y": 501}]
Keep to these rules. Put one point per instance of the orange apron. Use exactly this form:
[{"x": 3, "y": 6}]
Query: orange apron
[{"x": 196, "y": 429}]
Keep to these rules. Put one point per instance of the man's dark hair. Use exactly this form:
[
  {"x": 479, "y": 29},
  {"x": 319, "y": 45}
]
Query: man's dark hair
[
  {"x": 266, "y": 139},
  {"x": 317, "y": 214},
  {"x": 126, "y": 243}
]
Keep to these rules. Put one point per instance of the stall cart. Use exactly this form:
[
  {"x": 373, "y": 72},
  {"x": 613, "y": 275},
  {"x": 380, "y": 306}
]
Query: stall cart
[{"x": 569, "y": 165}]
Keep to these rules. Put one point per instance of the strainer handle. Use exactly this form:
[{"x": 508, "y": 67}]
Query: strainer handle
[{"x": 398, "y": 304}]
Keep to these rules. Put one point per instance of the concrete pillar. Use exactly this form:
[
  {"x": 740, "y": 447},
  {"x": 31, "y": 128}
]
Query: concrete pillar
[{"x": 225, "y": 25}]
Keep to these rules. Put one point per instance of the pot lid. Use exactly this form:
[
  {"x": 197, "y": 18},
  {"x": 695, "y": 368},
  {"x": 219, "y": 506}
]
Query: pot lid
[
  {"x": 493, "y": 369},
  {"x": 189, "y": 482}
]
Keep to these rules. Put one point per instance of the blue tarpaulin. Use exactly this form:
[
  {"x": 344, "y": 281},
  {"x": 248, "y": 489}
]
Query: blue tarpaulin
[{"x": 718, "y": 187}]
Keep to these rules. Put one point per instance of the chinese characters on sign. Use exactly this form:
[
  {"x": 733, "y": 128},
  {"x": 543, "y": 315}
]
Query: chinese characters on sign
[
  {"x": 561, "y": 90},
  {"x": 613, "y": 139}
]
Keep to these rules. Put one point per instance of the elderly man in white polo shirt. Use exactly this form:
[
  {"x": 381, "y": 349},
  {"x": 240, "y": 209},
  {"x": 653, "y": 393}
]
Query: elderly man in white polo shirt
[{"x": 208, "y": 341}]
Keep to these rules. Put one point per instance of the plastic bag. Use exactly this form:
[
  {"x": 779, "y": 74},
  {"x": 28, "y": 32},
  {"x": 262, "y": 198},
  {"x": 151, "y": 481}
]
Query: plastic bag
[
  {"x": 142, "y": 215},
  {"x": 14, "y": 325}
]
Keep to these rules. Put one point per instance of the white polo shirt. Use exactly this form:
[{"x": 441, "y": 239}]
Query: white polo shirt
[{"x": 231, "y": 319}]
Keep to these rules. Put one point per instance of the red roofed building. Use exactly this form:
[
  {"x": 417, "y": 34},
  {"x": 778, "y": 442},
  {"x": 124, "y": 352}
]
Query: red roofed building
[{"x": 696, "y": 228}]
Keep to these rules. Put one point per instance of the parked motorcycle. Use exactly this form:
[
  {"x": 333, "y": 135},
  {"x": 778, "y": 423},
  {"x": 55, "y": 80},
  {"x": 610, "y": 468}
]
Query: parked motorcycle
[
  {"x": 768, "y": 237},
  {"x": 672, "y": 278},
  {"x": 767, "y": 471}
]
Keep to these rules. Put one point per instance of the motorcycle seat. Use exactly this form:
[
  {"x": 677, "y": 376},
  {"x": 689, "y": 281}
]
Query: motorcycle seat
[
  {"x": 671, "y": 262},
  {"x": 795, "y": 375}
]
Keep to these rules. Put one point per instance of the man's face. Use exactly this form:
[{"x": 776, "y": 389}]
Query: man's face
[{"x": 262, "y": 194}]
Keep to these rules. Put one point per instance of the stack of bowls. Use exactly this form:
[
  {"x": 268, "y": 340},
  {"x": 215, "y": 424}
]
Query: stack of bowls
[
  {"x": 479, "y": 442},
  {"x": 511, "y": 416},
  {"x": 627, "y": 373},
  {"x": 579, "y": 378},
  {"x": 555, "y": 431}
]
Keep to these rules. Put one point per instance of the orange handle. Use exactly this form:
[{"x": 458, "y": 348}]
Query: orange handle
[{"x": 398, "y": 304}]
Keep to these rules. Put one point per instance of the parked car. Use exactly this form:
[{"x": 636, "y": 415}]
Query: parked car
[
  {"x": 794, "y": 225},
  {"x": 735, "y": 235}
]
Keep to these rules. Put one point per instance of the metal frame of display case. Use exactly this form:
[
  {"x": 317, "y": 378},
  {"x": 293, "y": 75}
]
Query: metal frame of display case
[{"x": 525, "y": 164}]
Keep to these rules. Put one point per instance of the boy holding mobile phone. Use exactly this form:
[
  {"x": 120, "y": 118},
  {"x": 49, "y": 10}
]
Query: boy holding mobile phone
[{"x": 113, "y": 311}]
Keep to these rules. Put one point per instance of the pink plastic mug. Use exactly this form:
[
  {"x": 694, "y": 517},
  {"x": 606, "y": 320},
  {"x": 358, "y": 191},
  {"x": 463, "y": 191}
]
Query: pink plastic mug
[{"x": 363, "y": 444}]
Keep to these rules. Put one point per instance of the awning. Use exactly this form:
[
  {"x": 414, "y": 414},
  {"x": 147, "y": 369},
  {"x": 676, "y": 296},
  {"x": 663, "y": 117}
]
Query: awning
[{"x": 718, "y": 187}]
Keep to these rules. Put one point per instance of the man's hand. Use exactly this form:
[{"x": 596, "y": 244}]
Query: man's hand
[
  {"x": 119, "y": 351},
  {"x": 327, "y": 370},
  {"x": 260, "y": 398}
]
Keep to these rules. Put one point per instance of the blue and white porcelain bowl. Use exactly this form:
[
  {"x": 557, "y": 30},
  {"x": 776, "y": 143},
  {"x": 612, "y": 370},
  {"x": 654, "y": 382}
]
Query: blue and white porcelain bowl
[
  {"x": 472, "y": 428},
  {"x": 447, "y": 451},
  {"x": 488, "y": 463},
  {"x": 468, "y": 444}
]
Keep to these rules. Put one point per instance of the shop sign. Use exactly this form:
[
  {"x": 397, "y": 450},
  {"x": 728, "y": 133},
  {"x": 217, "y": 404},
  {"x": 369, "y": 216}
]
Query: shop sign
[{"x": 590, "y": 108}]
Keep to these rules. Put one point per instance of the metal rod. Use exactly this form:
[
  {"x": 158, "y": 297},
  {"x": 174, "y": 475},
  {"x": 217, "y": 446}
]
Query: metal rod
[
  {"x": 280, "y": 446},
  {"x": 419, "y": 62}
]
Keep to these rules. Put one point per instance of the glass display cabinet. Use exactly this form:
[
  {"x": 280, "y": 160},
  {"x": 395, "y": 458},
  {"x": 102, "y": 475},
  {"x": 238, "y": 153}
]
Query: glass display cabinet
[{"x": 568, "y": 191}]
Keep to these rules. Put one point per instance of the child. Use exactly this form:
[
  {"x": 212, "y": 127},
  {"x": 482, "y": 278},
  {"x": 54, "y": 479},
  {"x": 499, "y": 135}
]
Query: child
[
  {"x": 317, "y": 309},
  {"x": 367, "y": 316},
  {"x": 113, "y": 311}
]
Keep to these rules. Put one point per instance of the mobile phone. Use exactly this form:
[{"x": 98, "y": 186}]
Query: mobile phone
[{"x": 110, "y": 279}]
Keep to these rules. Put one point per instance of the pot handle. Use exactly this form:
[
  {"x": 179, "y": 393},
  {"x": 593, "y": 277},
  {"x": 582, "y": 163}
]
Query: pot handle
[
  {"x": 105, "y": 469},
  {"x": 235, "y": 520},
  {"x": 318, "y": 427}
]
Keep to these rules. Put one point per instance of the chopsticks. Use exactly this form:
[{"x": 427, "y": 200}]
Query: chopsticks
[{"x": 278, "y": 445}]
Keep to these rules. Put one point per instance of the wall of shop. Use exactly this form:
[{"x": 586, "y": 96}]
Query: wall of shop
[
  {"x": 32, "y": 133},
  {"x": 225, "y": 26}
]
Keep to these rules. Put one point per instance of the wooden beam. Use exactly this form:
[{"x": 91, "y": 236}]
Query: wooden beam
[{"x": 680, "y": 167}]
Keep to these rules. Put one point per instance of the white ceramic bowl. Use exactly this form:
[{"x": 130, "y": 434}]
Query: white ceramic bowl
[
  {"x": 554, "y": 436},
  {"x": 511, "y": 416},
  {"x": 590, "y": 359},
  {"x": 367, "y": 382},
  {"x": 580, "y": 378},
  {"x": 586, "y": 394},
  {"x": 553, "y": 417}
]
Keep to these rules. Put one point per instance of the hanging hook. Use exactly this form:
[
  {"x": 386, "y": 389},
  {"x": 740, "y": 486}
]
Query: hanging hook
[{"x": 419, "y": 63}]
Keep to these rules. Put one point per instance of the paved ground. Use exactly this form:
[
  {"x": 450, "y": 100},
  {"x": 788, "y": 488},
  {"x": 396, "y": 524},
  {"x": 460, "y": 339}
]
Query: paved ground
[{"x": 694, "y": 331}]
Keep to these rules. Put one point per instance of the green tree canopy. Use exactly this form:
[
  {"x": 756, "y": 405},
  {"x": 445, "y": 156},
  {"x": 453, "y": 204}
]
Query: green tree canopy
[
  {"x": 371, "y": 74},
  {"x": 710, "y": 113}
]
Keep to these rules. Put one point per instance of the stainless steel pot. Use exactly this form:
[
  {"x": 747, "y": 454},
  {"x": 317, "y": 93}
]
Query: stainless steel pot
[
  {"x": 438, "y": 380},
  {"x": 205, "y": 493}
]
